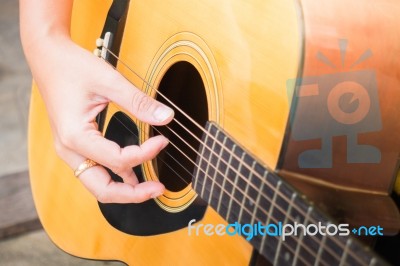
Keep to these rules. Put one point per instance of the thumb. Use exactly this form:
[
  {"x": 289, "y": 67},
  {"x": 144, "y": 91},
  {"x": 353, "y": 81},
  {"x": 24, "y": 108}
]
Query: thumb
[{"x": 139, "y": 104}]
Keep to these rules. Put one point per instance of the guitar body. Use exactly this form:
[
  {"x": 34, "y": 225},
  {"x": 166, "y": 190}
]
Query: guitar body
[{"x": 240, "y": 56}]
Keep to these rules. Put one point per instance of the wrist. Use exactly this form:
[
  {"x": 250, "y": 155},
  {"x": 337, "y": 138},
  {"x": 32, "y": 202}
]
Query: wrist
[{"x": 44, "y": 23}]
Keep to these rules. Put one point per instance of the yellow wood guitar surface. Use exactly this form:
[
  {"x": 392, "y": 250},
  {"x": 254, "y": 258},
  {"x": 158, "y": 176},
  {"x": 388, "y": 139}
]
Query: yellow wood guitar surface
[{"x": 244, "y": 51}]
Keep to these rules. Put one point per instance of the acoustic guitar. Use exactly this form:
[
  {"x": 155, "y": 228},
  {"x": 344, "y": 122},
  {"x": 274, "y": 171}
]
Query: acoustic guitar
[{"x": 243, "y": 140}]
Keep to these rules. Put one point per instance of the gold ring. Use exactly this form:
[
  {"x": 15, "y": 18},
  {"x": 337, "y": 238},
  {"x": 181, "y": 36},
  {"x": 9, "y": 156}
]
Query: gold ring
[{"x": 84, "y": 166}]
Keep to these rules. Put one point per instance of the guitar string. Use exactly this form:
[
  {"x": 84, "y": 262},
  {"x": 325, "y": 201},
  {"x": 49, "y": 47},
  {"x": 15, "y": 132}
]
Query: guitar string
[
  {"x": 223, "y": 189},
  {"x": 172, "y": 157},
  {"x": 189, "y": 118},
  {"x": 244, "y": 208},
  {"x": 195, "y": 123},
  {"x": 293, "y": 252},
  {"x": 334, "y": 239}
]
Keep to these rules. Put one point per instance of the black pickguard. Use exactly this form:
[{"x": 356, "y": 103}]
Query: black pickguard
[{"x": 145, "y": 218}]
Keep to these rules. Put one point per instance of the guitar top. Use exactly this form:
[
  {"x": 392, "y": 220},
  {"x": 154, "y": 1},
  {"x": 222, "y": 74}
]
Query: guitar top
[{"x": 286, "y": 113}]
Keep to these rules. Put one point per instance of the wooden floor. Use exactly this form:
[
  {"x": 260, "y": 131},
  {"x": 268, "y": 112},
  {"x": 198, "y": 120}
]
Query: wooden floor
[
  {"x": 22, "y": 240},
  {"x": 18, "y": 213}
]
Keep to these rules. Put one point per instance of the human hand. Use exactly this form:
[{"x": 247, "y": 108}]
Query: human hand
[{"x": 75, "y": 86}]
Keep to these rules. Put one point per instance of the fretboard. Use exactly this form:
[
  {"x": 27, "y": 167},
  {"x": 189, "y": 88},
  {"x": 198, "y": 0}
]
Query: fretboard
[{"x": 243, "y": 191}]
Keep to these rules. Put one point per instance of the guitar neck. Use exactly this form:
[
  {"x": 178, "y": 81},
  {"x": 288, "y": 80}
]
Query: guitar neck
[{"x": 260, "y": 205}]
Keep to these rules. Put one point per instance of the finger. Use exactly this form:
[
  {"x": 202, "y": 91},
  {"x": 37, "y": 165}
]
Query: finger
[
  {"x": 99, "y": 183},
  {"x": 138, "y": 103},
  {"x": 108, "y": 153},
  {"x": 129, "y": 177}
]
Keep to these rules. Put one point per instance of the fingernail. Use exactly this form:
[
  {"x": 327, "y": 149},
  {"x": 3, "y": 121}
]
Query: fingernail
[
  {"x": 166, "y": 142},
  {"x": 162, "y": 113},
  {"x": 156, "y": 195}
]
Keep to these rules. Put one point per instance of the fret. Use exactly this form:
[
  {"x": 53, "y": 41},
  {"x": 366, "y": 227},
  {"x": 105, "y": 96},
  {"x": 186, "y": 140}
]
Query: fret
[
  {"x": 307, "y": 246},
  {"x": 242, "y": 173},
  {"x": 233, "y": 208},
  {"x": 209, "y": 171},
  {"x": 216, "y": 149},
  {"x": 219, "y": 209},
  {"x": 204, "y": 158},
  {"x": 350, "y": 260},
  {"x": 257, "y": 203},
  {"x": 266, "y": 201},
  {"x": 273, "y": 203},
  {"x": 345, "y": 251},
  {"x": 285, "y": 193},
  {"x": 229, "y": 185},
  {"x": 246, "y": 216},
  {"x": 236, "y": 192},
  {"x": 252, "y": 190},
  {"x": 329, "y": 252},
  {"x": 214, "y": 198},
  {"x": 373, "y": 262},
  {"x": 271, "y": 208},
  {"x": 242, "y": 190},
  {"x": 246, "y": 171},
  {"x": 223, "y": 207},
  {"x": 215, "y": 192},
  {"x": 246, "y": 192},
  {"x": 221, "y": 165},
  {"x": 359, "y": 255},
  {"x": 242, "y": 209},
  {"x": 205, "y": 194},
  {"x": 320, "y": 250},
  {"x": 232, "y": 171},
  {"x": 287, "y": 252},
  {"x": 219, "y": 178},
  {"x": 267, "y": 248},
  {"x": 261, "y": 174},
  {"x": 300, "y": 240},
  {"x": 198, "y": 182}
]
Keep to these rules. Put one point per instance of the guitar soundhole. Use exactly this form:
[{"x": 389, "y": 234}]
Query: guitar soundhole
[{"x": 182, "y": 85}]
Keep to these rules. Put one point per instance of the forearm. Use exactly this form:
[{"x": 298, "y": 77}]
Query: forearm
[
  {"x": 48, "y": 48},
  {"x": 44, "y": 19},
  {"x": 44, "y": 26}
]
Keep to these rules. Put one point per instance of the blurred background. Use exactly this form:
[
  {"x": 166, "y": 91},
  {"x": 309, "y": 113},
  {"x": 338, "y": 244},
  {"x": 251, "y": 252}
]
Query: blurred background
[{"x": 22, "y": 239}]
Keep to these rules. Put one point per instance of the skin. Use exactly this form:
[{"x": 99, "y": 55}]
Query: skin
[{"x": 75, "y": 88}]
